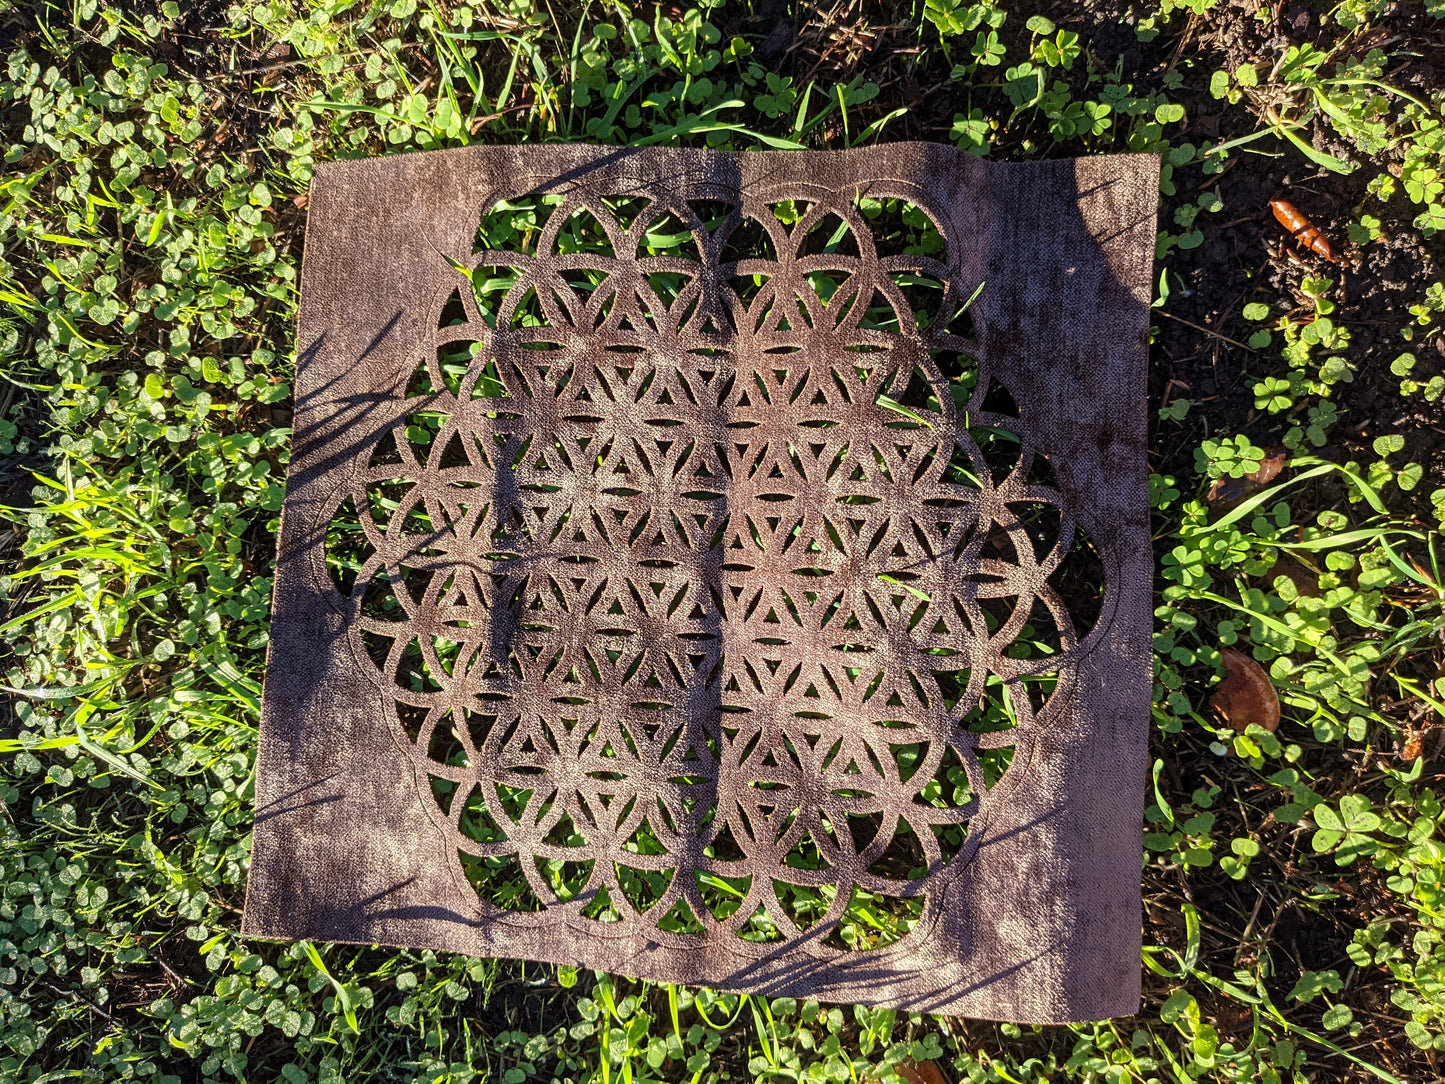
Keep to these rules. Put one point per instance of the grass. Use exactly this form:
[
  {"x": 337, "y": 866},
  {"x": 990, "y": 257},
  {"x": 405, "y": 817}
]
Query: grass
[{"x": 151, "y": 215}]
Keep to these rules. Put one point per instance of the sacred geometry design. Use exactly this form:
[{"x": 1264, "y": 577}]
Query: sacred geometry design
[
  {"x": 723, "y": 569},
  {"x": 687, "y": 574}
]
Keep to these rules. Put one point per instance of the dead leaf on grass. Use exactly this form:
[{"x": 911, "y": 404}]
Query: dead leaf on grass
[
  {"x": 926, "y": 1072},
  {"x": 1246, "y": 694},
  {"x": 1233, "y": 490},
  {"x": 1305, "y": 579}
]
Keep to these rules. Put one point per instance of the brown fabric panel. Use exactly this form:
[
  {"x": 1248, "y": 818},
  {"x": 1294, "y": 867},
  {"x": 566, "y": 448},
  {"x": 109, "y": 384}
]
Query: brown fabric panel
[{"x": 666, "y": 558}]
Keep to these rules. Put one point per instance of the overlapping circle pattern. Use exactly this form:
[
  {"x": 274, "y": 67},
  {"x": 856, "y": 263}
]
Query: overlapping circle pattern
[{"x": 702, "y": 550}]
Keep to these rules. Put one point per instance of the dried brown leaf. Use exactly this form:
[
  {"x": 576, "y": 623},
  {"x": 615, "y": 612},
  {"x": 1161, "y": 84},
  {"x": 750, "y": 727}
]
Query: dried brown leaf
[
  {"x": 1246, "y": 694},
  {"x": 926, "y": 1072},
  {"x": 1306, "y": 580},
  {"x": 1269, "y": 468},
  {"x": 1234, "y": 490}
]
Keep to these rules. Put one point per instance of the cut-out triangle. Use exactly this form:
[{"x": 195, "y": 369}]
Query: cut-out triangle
[{"x": 386, "y": 453}]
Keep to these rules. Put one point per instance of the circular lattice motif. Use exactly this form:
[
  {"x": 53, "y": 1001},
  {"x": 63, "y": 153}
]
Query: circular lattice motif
[{"x": 710, "y": 583}]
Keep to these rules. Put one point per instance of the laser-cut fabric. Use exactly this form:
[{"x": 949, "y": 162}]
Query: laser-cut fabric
[{"x": 701, "y": 553}]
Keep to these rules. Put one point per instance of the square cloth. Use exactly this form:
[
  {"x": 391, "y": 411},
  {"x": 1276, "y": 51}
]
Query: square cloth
[{"x": 721, "y": 569}]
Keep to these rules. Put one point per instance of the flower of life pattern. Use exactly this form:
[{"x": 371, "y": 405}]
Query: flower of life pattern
[{"x": 695, "y": 562}]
